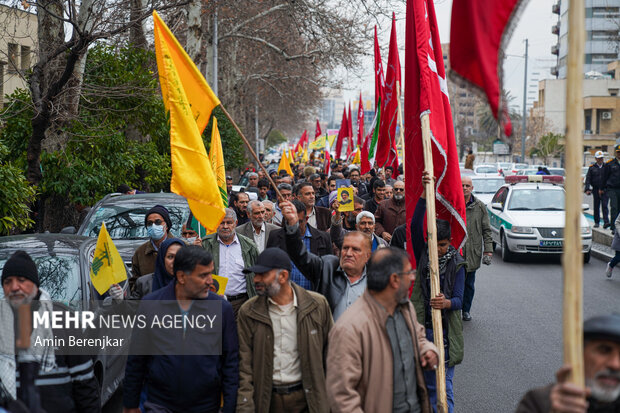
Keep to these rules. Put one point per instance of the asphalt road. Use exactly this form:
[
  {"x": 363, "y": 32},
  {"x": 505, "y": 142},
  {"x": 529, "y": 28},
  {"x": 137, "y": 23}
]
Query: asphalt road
[{"x": 514, "y": 341}]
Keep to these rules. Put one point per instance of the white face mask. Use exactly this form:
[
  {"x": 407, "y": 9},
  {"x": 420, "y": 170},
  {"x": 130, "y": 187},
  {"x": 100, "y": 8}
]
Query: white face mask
[{"x": 191, "y": 240}]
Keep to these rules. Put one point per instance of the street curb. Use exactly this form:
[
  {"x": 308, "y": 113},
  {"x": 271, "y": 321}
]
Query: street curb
[{"x": 600, "y": 253}]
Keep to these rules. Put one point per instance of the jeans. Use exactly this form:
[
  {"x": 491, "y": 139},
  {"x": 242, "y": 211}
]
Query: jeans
[
  {"x": 600, "y": 201},
  {"x": 429, "y": 377},
  {"x": 615, "y": 260},
  {"x": 468, "y": 295},
  {"x": 614, "y": 202}
]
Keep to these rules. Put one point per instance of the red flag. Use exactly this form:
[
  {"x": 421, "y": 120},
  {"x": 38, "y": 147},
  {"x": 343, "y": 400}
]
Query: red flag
[
  {"x": 360, "y": 122},
  {"x": 327, "y": 170},
  {"x": 350, "y": 136},
  {"x": 317, "y": 131},
  {"x": 342, "y": 133},
  {"x": 386, "y": 145},
  {"x": 302, "y": 141},
  {"x": 479, "y": 32},
  {"x": 426, "y": 91},
  {"x": 379, "y": 78}
]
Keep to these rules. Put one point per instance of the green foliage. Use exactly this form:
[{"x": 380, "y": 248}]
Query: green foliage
[
  {"x": 232, "y": 144},
  {"x": 274, "y": 138},
  {"x": 17, "y": 195},
  {"x": 16, "y": 127},
  {"x": 548, "y": 146}
]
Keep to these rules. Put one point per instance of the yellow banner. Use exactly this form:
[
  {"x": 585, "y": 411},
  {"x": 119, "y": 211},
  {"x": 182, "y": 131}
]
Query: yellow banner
[
  {"x": 107, "y": 267},
  {"x": 216, "y": 156}
]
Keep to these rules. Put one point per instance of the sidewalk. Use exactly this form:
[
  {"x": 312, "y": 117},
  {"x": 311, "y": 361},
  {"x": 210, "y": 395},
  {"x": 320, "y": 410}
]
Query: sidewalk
[{"x": 601, "y": 241}]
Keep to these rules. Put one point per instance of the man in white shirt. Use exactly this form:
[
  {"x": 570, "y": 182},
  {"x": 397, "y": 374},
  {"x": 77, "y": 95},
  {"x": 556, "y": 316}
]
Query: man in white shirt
[{"x": 257, "y": 229}]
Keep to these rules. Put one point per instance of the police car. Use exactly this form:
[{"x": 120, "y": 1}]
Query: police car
[{"x": 527, "y": 216}]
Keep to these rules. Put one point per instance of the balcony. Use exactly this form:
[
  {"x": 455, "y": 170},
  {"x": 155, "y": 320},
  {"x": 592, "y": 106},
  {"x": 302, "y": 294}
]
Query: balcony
[
  {"x": 555, "y": 29},
  {"x": 555, "y": 9},
  {"x": 554, "y": 70},
  {"x": 598, "y": 139},
  {"x": 555, "y": 49}
]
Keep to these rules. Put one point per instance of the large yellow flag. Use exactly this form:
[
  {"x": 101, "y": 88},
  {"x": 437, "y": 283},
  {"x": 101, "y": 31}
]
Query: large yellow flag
[
  {"x": 357, "y": 159},
  {"x": 216, "y": 156},
  {"x": 201, "y": 98},
  {"x": 305, "y": 158},
  {"x": 192, "y": 175},
  {"x": 107, "y": 267},
  {"x": 318, "y": 143},
  {"x": 285, "y": 164}
]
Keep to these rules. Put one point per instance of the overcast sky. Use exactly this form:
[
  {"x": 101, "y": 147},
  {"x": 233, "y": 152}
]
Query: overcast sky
[{"x": 535, "y": 24}]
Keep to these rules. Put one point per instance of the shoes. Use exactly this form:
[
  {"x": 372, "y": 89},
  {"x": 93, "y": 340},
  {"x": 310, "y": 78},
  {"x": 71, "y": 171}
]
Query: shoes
[
  {"x": 596, "y": 225},
  {"x": 606, "y": 225},
  {"x": 467, "y": 316},
  {"x": 608, "y": 272}
]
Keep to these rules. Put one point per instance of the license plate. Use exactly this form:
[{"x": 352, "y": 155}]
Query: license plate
[{"x": 550, "y": 243}]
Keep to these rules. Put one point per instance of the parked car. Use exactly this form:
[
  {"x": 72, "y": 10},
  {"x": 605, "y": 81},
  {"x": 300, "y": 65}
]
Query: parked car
[
  {"x": 486, "y": 169},
  {"x": 486, "y": 186},
  {"x": 63, "y": 262},
  {"x": 534, "y": 171},
  {"x": 528, "y": 217}
]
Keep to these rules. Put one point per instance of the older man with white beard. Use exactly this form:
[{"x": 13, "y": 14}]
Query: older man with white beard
[
  {"x": 391, "y": 212},
  {"x": 601, "y": 356},
  {"x": 364, "y": 223}
]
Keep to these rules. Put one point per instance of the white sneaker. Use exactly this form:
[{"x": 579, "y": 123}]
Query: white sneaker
[{"x": 608, "y": 271}]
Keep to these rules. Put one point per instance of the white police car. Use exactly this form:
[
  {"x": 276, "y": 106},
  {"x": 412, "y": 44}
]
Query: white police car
[{"x": 527, "y": 216}]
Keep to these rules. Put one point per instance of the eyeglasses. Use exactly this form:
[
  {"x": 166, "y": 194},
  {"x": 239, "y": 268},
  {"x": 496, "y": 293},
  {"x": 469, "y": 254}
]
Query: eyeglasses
[
  {"x": 156, "y": 222},
  {"x": 410, "y": 272},
  {"x": 398, "y": 189}
]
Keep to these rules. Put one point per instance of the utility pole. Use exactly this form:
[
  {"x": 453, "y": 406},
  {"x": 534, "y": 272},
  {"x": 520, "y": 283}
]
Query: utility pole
[
  {"x": 215, "y": 51},
  {"x": 524, "y": 120}
]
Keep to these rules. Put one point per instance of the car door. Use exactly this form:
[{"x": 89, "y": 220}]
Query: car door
[{"x": 495, "y": 216}]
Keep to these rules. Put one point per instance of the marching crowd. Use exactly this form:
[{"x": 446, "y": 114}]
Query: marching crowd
[{"x": 322, "y": 310}]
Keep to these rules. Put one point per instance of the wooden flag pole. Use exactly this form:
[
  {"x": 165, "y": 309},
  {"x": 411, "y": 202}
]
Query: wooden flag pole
[
  {"x": 251, "y": 151},
  {"x": 572, "y": 259},
  {"x": 431, "y": 226},
  {"x": 400, "y": 124}
]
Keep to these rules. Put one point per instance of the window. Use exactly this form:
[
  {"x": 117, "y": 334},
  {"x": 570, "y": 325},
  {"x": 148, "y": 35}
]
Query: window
[
  {"x": 13, "y": 57},
  {"x": 25, "y": 63}
]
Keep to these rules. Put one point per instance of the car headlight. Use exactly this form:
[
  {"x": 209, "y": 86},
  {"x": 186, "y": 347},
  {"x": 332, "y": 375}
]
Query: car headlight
[
  {"x": 523, "y": 230},
  {"x": 586, "y": 230}
]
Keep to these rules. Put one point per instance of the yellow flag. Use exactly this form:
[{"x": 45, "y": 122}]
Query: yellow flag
[
  {"x": 216, "y": 156},
  {"x": 285, "y": 164},
  {"x": 318, "y": 143},
  {"x": 357, "y": 159},
  {"x": 107, "y": 267},
  {"x": 222, "y": 281},
  {"x": 305, "y": 157},
  {"x": 200, "y": 97},
  {"x": 192, "y": 175}
]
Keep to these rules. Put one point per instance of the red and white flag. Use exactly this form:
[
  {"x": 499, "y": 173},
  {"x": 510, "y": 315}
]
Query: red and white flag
[
  {"x": 317, "y": 131},
  {"x": 479, "y": 33},
  {"x": 387, "y": 153},
  {"x": 360, "y": 122},
  {"x": 350, "y": 144},
  {"x": 342, "y": 133},
  {"x": 379, "y": 77},
  {"x": 426, "y": 91}
]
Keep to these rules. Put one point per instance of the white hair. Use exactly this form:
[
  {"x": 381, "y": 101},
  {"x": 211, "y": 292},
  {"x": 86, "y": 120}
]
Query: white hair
[{"x": 364, "y": 214}]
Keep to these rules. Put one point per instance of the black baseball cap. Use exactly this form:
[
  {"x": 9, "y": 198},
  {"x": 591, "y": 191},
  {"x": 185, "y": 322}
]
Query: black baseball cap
[
  {"x": 606, "y": 327},
  {"x": 269, "y": 259}
]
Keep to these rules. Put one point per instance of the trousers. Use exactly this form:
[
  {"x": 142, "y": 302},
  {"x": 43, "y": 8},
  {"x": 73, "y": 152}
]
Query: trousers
[{"x": 468, "y": 294}]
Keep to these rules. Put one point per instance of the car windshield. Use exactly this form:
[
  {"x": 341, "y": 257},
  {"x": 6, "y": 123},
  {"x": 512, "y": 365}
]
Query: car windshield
[
  {"x": 486, "y": 170},
  {"x": 59, "y": 275},
  {"x": 536, "y": 200},
  {"x": 521, "y": 166},
  {"x": 127, "y": 221},
  {"x": 487, "y": 186},
  {"x": 557, "y": 171},
  {"x": 505, "y": 165}
]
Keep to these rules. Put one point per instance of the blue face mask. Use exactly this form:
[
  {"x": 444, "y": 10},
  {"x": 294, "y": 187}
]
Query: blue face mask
[{"x": 155, "y": 232}]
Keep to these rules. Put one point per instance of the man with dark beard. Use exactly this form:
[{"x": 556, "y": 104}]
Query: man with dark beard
[
  {"x": 283, "y": 341},
  {"x": 601, "y": 356}
]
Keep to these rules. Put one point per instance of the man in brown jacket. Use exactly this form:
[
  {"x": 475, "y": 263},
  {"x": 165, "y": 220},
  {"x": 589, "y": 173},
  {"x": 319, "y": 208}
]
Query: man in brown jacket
[
  {"x": 391, "y": 213},
  {"x": 378, "y": 344},
  {"x": 282, "y": 342}
]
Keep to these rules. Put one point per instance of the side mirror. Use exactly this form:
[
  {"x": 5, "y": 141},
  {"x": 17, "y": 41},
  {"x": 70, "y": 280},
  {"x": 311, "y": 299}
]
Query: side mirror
[
  {"x": 68, "y": 230},
  {"x": 497, "y": 205}
]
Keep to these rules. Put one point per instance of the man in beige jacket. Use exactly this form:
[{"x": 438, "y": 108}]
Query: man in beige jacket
[{"x": 377, "y": 349}]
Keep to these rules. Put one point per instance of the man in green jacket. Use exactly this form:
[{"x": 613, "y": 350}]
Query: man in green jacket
[
  {"x": 282, "y": 342},
  {"x": 479, "y": 245},
  {"x": 232, "y": 253}
]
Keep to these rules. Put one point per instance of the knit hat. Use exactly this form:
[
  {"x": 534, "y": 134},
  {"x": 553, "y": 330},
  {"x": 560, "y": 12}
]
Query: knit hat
[
  {"x": 21, "y": 265},
  {"x": 161, "y": 210}
]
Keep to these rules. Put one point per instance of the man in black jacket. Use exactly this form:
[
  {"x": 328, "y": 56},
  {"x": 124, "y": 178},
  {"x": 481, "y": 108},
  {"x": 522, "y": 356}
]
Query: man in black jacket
[
  {"x": 595, "y": 186},
  {"x": 611, "y": 178}
]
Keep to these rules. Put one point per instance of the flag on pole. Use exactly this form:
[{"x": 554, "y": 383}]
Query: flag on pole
[
  {"x": 357, "y": 159},
  {"x": 360, "y": 122},
  {"x": 317, "y": 144},
  {"x": 107, "y": 267},
  {"x": 386, "y": 146},
  {"x": 479, "y": 34},
  {"x": 427, "y": 92},
  {"x": 317, "y": 131},
  {"x": 379, "y": 77},
  {"x": 350, "y": 144},
  {"x": 342, "y": 133},
  {"x": 285, "y": 164},
  {"x": 302, "y": 141},
  {"x": 216, "y": 156},
  {"x": 192, "y": 175},
  {"x": 327, "y": 170},
  {"x": 305, "y": 158},
  {"x": 199, "y": 95},
  {"x": 369, "y": 148}
]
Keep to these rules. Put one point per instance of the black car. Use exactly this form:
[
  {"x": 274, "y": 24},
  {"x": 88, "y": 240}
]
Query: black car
[{"x": 63, "y": 262}]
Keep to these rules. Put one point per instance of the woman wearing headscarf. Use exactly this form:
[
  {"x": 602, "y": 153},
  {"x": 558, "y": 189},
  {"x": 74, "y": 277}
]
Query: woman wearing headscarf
[{"x": 163, "y": 270}]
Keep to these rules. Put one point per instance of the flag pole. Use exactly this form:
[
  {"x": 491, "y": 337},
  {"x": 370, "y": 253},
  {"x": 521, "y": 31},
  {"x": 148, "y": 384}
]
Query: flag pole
[
  {"x": 247, "y": 144},
  {"x": 431, "y": 226},
  {"x": 572, "y": 259},
  {"x": 400, "y": 124}
]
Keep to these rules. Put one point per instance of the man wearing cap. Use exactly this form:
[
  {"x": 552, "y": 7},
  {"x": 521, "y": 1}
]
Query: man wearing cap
[
  {"x": 158, "y": 224},
  {"x": 595, "y": 186},
  {"x": 611, "y": 179},
  {"x": 601, "y": 356},
  {"x": 282, "y": 342},
  {"x": 64, "y": 383}
]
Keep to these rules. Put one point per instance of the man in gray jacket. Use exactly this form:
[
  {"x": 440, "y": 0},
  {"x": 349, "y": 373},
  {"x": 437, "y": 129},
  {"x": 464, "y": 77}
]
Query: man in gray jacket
[{"x": 479, "y": 242}]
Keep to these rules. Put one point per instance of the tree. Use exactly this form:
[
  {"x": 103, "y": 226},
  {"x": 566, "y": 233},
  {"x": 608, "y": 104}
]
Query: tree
[
  {"x": 548, "y": 146},
  {"x": 489, "y": 127},
  {"x": 17, "y": 196},
  {"x": 274, "y": 138}
]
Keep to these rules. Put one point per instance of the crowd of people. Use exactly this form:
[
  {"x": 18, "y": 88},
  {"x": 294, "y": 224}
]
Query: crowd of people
[{"x": 322, "y": 310}]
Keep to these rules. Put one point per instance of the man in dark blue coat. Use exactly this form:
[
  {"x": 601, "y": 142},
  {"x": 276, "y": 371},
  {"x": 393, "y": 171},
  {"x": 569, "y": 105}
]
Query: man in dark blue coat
[{"x": 183, "y": 376}]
